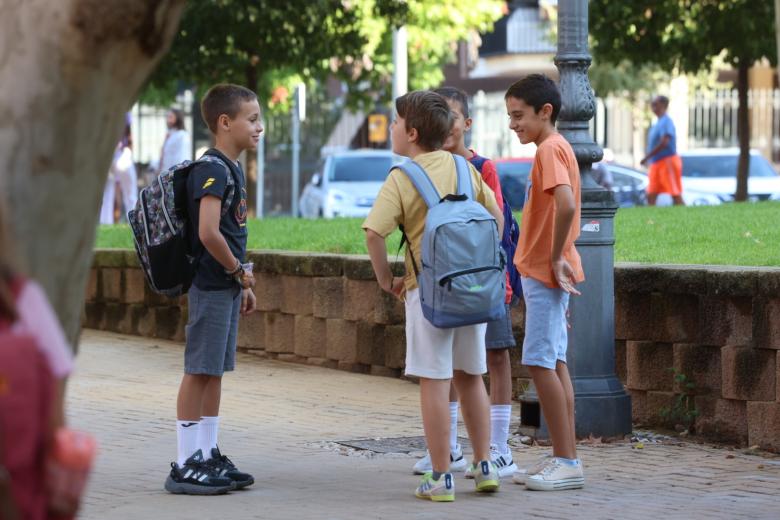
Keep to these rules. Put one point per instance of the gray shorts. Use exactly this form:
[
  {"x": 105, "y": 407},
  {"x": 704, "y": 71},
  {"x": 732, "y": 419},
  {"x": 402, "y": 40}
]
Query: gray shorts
[
  {"x": 211, "y": 331},
  {"x": 546, "y": 334},
  {"x": 499, "y": 333}
]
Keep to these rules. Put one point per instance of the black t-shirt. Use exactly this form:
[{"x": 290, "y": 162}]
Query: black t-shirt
[{"x": 211, "y": 178}]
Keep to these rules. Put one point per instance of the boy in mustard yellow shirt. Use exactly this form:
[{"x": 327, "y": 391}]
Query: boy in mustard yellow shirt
[{"x": 433, "y": 354}]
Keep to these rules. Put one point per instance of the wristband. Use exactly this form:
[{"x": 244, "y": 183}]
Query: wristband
[{"x": 237, "y": 270}]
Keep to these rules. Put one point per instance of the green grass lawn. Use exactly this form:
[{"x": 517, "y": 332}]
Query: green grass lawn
[{"x": 732, "y": 234}]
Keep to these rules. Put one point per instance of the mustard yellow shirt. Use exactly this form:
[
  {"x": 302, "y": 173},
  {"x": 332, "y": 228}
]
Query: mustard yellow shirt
[{"x": 399, "y": 203}]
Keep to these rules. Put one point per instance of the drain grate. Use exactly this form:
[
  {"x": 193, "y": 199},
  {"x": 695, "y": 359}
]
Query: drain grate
[{"x": 404, "y": 445}]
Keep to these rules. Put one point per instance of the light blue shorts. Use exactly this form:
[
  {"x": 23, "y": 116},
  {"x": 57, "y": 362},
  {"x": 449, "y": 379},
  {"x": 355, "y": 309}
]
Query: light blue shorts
[{"x": 546, "y": 333}]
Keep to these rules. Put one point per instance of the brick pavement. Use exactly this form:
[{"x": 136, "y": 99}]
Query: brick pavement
[{"x": 279, "y": 419}]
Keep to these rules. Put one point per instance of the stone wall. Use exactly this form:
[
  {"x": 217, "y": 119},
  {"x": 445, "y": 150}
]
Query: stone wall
[{"x": 719, "y": 327}]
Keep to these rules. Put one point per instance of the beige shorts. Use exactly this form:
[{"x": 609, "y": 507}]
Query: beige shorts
[{"x": 434, "y": 353}]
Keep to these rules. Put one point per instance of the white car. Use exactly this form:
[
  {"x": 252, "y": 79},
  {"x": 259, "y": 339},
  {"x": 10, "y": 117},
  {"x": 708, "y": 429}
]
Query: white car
[
  {"x": 347, "y": 184},
  {"x": 709, "y": 176}
]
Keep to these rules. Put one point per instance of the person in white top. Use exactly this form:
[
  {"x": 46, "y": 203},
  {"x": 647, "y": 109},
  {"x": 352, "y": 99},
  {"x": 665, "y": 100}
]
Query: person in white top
[
  {"x": 176, "y": 147},
  {"x": 123, "y": 174}
]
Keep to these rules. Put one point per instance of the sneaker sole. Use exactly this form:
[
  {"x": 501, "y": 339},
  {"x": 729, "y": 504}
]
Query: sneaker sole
[
  {"x": 487, "y": 486},
  {"x": 183, "y": 488},
  {"x": 555, "y": 485},
  {"x": 242, "y": 485},
  {"x": 507, "y": 471},
  {"x": 437, "y": 498}
]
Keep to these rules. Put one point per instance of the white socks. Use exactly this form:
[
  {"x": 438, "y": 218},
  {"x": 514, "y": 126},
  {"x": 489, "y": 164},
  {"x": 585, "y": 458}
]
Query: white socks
[
  {"x": 207, "y": 436},
  {"x": 453, "y": 426},
  {"x": 500, "y": 415},
  {"x": 186, "y": 440}
]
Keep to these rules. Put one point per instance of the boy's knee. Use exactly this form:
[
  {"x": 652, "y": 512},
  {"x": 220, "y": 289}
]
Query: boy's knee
[{"x": 498, "y": 358}]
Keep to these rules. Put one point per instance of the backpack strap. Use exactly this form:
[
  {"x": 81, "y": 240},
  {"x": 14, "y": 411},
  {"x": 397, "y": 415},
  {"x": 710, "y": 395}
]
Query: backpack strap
[
  {"x": 478, "y": 161},
  {"x": 465, "y": 186},
  {"x": 421, "y": 182},
  {"x": 231, "y": 179}
]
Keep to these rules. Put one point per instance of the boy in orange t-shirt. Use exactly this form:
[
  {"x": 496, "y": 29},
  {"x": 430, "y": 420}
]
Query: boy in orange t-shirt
[{"x": 550, "y": 267}]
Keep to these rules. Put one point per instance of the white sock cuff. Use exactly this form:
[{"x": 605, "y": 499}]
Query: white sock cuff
[
  {"x": 454, "y": 407},
  {"x": 205, "y": 421},
  {"x": 501, "y": 411}
]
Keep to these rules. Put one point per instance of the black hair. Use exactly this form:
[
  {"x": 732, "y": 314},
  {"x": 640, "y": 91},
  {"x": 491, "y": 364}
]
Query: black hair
[
  {"x": 537, "y": 90},
  {"x": 458, "y": 95}
]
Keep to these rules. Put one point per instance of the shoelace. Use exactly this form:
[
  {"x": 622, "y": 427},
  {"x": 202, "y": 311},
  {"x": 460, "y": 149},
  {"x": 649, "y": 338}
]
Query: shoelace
[{"x": 549, "y": 468}]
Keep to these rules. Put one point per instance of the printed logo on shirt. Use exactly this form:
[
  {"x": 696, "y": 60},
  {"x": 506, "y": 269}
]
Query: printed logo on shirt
[
  {"x": 241, "y": 209},
  {"x": 208, "y": 182}
]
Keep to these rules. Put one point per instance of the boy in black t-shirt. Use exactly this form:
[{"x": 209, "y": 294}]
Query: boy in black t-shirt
[{"x": 221, "y": 289}]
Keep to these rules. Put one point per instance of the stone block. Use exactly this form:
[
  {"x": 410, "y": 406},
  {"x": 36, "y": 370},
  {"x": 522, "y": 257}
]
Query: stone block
[
  {"x": 515, "y": 361},
  {"x": 674, "y": 318},
  {"x": 723, "y": 420},
  {"x": 358, "y": 267},
  {"x": 632, "y": 315},
  {"x": 769, "y": 282},
  {"x": 144, "y": 321},
  {"x": 111, "y": 283},
  {"x": 700, "y": 365},
  {"x": 519, "y": 386},
  {"x": 646, "y": 407},
  {"x": 169, "y": 323},
  {"x": 92, "y": 294},
  {"x": 94, "y": 312},
  {"x": 395, "y": 346},
  {"x": 731, "y": 281},
  {"x": 766, "y": 323},
  {"x": 517, "y": 315},
  {"x": 328, "y": 297},
  {"x": 379, "y": 370},
  {"x": 291, "y": 358},
  {"x": 349, "y": 341},
  {"x": 251, "y": 331},
  {"x": 620, "y": 361},
  {"x": 763, "y": 421},
  {"x": 649, "y": 365},
  {"x": 110, "y": 258},
  {"x": 359, "y": 299},
  {"x": 388, "y": 309},
  {"x": 633, "y": 279},
  {"x": 125, "y": 323},
  {"x": 309, "y": 336},
  {"x": 675, "y": 279},
  {"x": 308, "y": 264},
  {"x": 296, "y": 294},
  {"x": 358, "y": 368},
  {"x": 726, "y": 320},
  {"x": 268, "y": 291},
  {"x": 134, "y": 286},
  {"x": 279, "y": 333},
  {"x": 322, "y": 362},
  {"x": 114, "y": 312},
  {"x": 777, "y": 377},
  {"x": 748, "y": 373}
]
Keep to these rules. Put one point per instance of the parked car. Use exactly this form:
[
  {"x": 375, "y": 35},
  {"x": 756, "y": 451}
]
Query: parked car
[
  {"x": 709, "y": 176},
  {"x": 628, "y": 185},
  {"x": 347, "y": 184}
]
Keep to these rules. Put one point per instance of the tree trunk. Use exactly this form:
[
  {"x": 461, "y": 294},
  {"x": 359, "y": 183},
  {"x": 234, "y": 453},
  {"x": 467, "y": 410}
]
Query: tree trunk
[
  {"x": 251, "y": 157},
  {"x": 743, "y": 132},
  {"x": 69, "y": 70}
]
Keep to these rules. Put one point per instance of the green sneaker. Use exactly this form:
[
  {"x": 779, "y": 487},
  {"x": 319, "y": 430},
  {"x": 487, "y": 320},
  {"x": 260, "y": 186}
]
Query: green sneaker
[
  {"x": 442, "y": 490},
  {"x": 485, "y": 476}
]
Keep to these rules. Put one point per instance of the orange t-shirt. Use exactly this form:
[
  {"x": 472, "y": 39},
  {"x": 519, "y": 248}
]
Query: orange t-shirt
[{"x": 554, "y": 165}]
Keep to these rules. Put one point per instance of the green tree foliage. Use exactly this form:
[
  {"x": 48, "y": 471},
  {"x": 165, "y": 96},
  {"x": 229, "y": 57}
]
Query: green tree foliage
[
  {"x": 687, "y": 35},
  {"x": 265, "y": 44}
]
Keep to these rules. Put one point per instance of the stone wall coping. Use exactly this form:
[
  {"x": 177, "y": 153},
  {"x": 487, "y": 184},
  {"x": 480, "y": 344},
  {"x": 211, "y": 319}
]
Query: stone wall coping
[{"x": 633, "y": 277}]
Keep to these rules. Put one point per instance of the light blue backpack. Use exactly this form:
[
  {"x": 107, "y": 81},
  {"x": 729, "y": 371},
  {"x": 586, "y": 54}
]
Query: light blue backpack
[{"x": 462, "y": 280}]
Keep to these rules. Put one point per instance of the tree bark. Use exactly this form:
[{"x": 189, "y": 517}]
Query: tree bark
[
  {"x": 743, "y": 132},
  {"x": 69, "y": 70}
]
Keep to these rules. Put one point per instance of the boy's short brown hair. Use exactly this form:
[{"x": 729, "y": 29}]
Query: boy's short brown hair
[
  {"x": 224, "y": 98},
  {"x": 429, "y": 114}
]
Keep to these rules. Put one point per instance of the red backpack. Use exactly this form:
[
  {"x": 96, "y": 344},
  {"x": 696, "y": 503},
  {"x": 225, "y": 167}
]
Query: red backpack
[{"x": 26, "y": 395}]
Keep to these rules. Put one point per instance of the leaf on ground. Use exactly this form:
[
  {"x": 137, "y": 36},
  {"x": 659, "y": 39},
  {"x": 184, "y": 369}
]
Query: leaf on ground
[{"x": 639, "y": 446}]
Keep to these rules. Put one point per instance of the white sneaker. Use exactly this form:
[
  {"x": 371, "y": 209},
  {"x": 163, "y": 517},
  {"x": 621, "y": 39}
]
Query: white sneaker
[
  {"x": 457, "y": 462},
  {"x": 556, "y": 476},
  {"x": 503, "y": 462},
  {"x": 520, "y": 476}
]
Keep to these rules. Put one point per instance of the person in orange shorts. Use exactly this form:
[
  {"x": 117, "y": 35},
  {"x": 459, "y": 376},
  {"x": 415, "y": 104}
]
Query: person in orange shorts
[{"x": 665, "y": 166}]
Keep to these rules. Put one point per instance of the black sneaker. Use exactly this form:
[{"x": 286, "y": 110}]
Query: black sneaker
[
  {"x": 197, "y": 477},
  {"x": 224, "y": 467}
]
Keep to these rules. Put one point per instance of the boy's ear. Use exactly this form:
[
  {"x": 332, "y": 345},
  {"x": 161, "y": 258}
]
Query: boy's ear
[
  {"x": 546, "y": 111},
  {"x": 412, "y": 135},
  {"x": 467, "y": 124},
  {"x": 223, "y": 122}
]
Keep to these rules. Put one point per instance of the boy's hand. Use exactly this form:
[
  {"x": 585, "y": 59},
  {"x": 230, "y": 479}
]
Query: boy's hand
[
  {"x": 247, "y": 280},
  {"x": 563, "y": 274},
  {"x": 248, "y": 302},
  {"x": 397, "y": 286}
]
